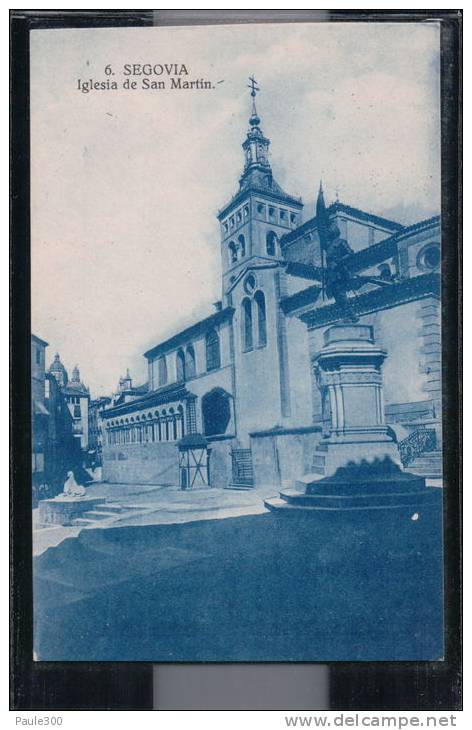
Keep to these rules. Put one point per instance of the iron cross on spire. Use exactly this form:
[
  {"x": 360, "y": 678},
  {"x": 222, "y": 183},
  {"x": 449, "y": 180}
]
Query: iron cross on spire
[{"x": 253, "y": 86}]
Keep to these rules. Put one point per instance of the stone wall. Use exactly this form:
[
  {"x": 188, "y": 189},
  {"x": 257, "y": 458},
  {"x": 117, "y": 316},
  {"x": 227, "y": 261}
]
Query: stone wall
[
  {"x": 220, "y": 462},
  {"x": 279, "y": 459},
  {"x": 158, "y": 463},
  {"x": 151, "y": 463}
]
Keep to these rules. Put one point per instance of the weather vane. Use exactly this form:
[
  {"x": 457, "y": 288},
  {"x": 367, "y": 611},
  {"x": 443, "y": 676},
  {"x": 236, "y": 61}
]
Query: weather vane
[{"x": 253, "y": 85}]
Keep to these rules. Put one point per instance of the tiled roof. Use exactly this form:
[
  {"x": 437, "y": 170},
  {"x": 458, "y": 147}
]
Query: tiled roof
[
  {"x": 376, "y": 299},
  {"x": 193, "y": 331},
  {"x": 372, "y": 255},
  {"x": 38, "y": 339},
  {"x": 339, "y": 207},
  {"x": 435, "y": 220},
  {"x": 304, "y": 271},
  {"x": 297, "y": 233},
  {"x": 77, "y": 389},
  {"x": 388, "y": 247},
  {"x": 166, "y": 394},
  {"x": 300, "y": 299}
]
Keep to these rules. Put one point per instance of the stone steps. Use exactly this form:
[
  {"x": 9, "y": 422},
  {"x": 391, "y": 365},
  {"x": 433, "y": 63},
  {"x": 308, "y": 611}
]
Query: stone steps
[
  {"x": 240, "y": 487},
  {"x": 428, "y": 464},
  {"x": 314, "y": 475},
  {"x": 111, "y": 508},
  {"x": 84, "y": 522},
  {"x": 105, "y": 511},
  {"x": 299, "y": 502},
  {"x": 98, "y": 515}
]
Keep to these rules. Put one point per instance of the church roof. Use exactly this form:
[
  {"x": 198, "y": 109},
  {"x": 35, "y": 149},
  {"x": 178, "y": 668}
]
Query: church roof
[
  {"x": 435, "y": 220},
  {"x": 303, "y": 271},
  {"x": 57, "y": 367},
  {"x": 374, "y": 300},
  {"x": 388, "y": 247},
  {"x": 363, "y": 215},
  {"x": 74, "y": 388},
  {"x": 300, "y": 299},
  {"x": 339, "y": 207},
  {"x": 189, "y": 332},
  {"x": 358, "y": 261}
]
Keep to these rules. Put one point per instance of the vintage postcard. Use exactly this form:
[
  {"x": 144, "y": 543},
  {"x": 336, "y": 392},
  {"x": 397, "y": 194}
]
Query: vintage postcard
[{"x": 236, "y": 343}]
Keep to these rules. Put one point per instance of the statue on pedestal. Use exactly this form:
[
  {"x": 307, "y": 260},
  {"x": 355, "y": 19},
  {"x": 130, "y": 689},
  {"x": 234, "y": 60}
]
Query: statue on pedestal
[
  {"x": 338, "y": 276},
  {"x": 71, "y": 488}
]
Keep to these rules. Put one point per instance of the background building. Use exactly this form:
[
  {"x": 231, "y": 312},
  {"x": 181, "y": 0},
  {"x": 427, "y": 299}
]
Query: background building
[
  {"x": 77, "y": 397},
  {"x": 95, "y": 428},
  {"x": 55, "y": 450}
]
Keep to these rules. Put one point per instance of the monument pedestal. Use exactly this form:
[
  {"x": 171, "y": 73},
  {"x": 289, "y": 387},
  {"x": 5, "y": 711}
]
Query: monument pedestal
[
  {"x": 357, "y": 464},
  {"x": 63, "y": 510}
]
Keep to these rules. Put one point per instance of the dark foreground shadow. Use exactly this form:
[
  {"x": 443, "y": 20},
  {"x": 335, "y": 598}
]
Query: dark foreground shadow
[{"x": 361, "y": 586}]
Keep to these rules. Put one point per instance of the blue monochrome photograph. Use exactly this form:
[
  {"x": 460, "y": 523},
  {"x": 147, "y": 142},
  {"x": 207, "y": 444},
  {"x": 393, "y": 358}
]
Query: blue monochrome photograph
[{"x": 236, "y": 343}]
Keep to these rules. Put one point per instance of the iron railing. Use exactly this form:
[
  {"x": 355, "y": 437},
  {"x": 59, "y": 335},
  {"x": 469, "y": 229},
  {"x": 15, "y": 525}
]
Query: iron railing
[{"x": 419, "y": 442}]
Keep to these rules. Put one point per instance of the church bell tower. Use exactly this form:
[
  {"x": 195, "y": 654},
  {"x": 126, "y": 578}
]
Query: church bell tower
[{"x": 260, "y": 213}]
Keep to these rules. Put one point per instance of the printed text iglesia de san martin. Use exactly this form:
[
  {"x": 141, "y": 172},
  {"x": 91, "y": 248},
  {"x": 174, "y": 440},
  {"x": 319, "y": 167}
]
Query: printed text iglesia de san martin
[{"x": 143, "y": 76}]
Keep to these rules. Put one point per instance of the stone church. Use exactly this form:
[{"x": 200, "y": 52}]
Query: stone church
[{"x": 233, "y": 400}]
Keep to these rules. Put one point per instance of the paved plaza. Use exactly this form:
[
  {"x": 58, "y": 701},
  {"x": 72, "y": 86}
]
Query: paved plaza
[
  {"x": 153, "y": 505},
  {"x": 251, "y": 588}
]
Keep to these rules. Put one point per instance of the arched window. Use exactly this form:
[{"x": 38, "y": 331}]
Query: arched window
[
  {"x": 233, "y": 254},
  {"x": 212, "y": 345},
  {"x": 216, "y": 412},
  {"x": 259, "y": 298},
  {"x": 242, "y": 246},
  {"x": 271, "y": 243},
  {"x": 180, "y": 362},
  {"x": 162, "y": 370},
  {"x": 190, "y": 369},
  {"x": 246, "y": 323}
]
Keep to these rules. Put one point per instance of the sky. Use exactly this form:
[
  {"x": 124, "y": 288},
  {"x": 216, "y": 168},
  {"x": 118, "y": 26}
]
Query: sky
[{"x": 126, "y": 184}]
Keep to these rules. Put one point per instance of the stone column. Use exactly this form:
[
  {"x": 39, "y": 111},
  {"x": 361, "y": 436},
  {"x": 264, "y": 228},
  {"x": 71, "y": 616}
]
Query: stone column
[{"x": 348, "y": 372}]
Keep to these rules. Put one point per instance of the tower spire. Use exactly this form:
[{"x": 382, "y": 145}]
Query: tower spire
[
  {"x": 320, "y": 208},
  {"x": 255, "y": 146},
  {"x": 254, "y": 119}
]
